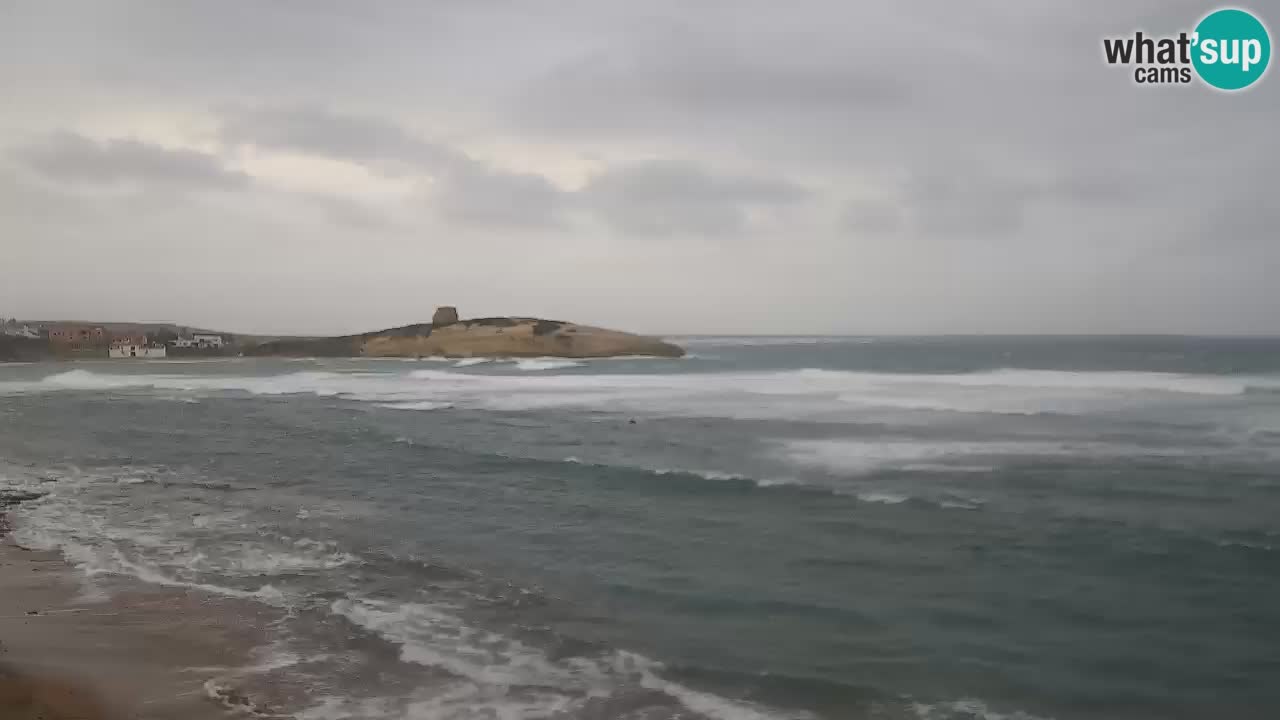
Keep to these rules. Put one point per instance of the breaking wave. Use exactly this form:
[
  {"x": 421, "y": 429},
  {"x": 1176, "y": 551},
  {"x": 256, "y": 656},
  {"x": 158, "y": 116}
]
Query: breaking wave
[
  {"x": 968, "y": 709},
  {"x": 492, "y": 663},
  {"x": 535, "y": 364},
  {"x": 419, "y": 405},
  {"x": 860, "y": 386}
]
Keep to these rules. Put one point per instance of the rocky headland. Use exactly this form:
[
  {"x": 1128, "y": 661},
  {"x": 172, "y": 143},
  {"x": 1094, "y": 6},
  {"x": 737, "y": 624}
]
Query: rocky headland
[{"x": 449, "y": 336}]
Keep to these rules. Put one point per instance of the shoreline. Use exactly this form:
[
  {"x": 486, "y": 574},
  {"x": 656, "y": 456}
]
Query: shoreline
[{"x": 72, "y": 648}]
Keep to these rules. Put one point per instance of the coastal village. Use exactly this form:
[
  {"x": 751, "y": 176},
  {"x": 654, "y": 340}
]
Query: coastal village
[{"x": 110, "y": 341}]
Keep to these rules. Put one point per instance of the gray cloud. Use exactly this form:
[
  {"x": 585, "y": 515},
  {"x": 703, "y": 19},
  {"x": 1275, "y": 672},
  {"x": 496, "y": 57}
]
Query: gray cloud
[
  {"x": 651, "y": 198},
  {"x": 476, "y": 195},
  {"x": 873, "y": 217},
  {"x": 967, "y": 206},
  {"x": 462, "y": 188},
  {"x": 663, "y": 198},
  {"x": 316, "y": 130},
  {"x": 956, "y": 167},
  {"x": 75, "y": 159},
  {"x": 664, "y": 85}
]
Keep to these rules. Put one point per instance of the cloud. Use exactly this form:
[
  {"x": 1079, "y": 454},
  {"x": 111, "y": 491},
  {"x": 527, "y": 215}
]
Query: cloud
[
  {"x": 667, "y": 84},
  {"x": 666, "y": 198},
  {"x": 476, "y": 195},
  {"x": 871, "y": 216},
  {"x": 956, "y": 167},
  {"x": 460, "y": 187},
  {"x": 66, "y": 157},
  {"x": 967, "y": 205},
  {"x": 359, "y": 139},
  {"x": 659, "y": 197}
]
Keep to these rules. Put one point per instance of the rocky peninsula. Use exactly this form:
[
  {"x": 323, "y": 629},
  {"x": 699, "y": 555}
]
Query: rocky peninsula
[{"x": 448, "y": 336}]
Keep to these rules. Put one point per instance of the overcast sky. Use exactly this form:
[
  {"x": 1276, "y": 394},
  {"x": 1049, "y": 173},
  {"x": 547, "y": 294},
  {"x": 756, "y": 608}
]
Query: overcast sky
[{"x": 660, "y": 165}]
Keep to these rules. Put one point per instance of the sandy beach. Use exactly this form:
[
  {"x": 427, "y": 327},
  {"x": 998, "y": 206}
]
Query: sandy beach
[{"x": 139, "y": 653}]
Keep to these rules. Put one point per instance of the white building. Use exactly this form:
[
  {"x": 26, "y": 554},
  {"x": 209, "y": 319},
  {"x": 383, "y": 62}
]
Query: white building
[
  {"x": 24, "y": 331},
  {"x": 135, "y": 350},
  {"x": 198, "y": 340},
  {"x": 203, "y": 340}
]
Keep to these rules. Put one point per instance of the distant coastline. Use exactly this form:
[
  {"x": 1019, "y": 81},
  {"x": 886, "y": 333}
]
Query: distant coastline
[{"x": 446, "y": 335}]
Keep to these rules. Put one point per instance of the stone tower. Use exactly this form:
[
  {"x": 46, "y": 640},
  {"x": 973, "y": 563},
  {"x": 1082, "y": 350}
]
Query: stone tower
[{"x": 445, "y": 315}]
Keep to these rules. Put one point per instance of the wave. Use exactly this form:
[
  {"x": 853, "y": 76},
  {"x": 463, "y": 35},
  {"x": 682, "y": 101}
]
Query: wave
[
  {"x": 1115, "y": 380},
  {"x": 713, "y": 475},
  {"x": 966, "y": 504},
  {"x": 492, "y": 663},
  {"x": 420, "y": 405},
  {"x": 848, "y": 456},
  {"x": 716, "y": 475},
  {"x": 946, "y": 501},
  {"x": 968, "y": 709},
  {"x": 883, "y": 498},
  {"x": 797, "y": 381},
  {"x": 860, "y": 456},
  {"x": 318, "y": 382},
  {"x": 525, "y": 364},
  {"x": 1244, "y": 545},
  {"x": 536, "y": 364},
  {"x": 93, "y": 561},
  {"x": 493, "y": 671},
  {"x": 769, "y": 340},
  {"x": 175, "y": 551},
  {"x": 802, "y": 394}
]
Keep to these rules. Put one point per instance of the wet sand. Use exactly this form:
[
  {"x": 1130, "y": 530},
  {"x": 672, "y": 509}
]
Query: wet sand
[{"x": 139, "y": 652}]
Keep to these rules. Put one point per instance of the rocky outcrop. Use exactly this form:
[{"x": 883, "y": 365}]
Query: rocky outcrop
[
  {"x": 445, "y": 315},
  {"x": 483, "y": 337},
  {"x": 516, "y": 337}
]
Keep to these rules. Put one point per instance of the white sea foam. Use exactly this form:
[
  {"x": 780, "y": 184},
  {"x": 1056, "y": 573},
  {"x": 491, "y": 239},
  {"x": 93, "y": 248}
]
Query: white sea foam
[
  {"x": 958, "y": 503},
  {"x": 825, "y": 395},
  {"x": 769, "y": 340},
  {"x": 419, "y": 405},
  {"x": 885, "y": 498},
  {"x": 704, "y": 474},
  {"x": 430, "y": 636},
  {"x": 719, "y": 708},
  {"x": 968, "y": 709},
  {"x": 1243, "y": 544},
  {"x": 157, "y": 549},
  {"x": 96, "y": 559},
  {"x": 860, "y": 456},
  {"x": 257, "y": 560},
  {"x": 468, "y": 362},
  {"x": 534, "y": 364},
  {"x": 492, "y": 663}
]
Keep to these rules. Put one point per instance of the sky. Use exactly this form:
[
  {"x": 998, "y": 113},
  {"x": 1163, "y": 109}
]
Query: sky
[{"x": 663, "y": 166}]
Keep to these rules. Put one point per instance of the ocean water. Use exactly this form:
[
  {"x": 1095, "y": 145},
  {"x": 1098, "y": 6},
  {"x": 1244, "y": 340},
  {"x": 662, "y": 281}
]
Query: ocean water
[{"x": 923, "y": 528}]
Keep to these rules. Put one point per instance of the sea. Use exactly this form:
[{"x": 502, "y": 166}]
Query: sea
[{"x": 927, "y": 528}]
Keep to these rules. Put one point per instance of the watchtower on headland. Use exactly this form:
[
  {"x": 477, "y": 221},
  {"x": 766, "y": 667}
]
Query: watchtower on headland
[{"x": 445, "y": 315}]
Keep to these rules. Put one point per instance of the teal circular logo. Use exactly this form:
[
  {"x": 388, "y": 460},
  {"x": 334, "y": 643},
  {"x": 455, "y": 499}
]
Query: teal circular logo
[{"x": 1231, "y": 49}]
